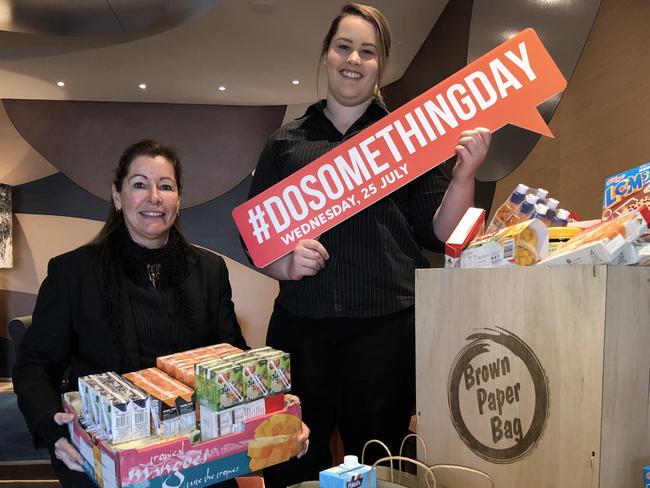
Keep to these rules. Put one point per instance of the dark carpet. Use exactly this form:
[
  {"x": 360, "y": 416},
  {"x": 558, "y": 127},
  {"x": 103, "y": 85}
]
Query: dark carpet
[{"x": 15, "y": 441}]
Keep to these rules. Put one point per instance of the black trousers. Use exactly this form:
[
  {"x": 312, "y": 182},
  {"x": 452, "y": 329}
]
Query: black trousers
[{"x": 354, "y": 374}]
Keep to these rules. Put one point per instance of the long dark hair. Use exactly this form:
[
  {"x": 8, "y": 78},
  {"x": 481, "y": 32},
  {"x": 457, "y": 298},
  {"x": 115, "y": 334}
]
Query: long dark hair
[
  {"x": 147, "y": 147},
  {"x": 382, "y": 30}
]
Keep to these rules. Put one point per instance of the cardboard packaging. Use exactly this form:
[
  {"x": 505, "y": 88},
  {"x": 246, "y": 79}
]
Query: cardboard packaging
[
  {"x": 523, "y": 244},
  {"x": 471, "y": 225},
  {"x": 608, "y": 243},
  {"x": 350, "y": 474},
  {"x": 626, "y": 191},
  {"x": 265, "y": 440}
]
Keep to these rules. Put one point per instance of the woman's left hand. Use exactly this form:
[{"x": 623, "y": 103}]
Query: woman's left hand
[
  {"x": 303, "y": 436},
  {"x": 471, "y": 150},
  {"x": 303, "y": 440}
]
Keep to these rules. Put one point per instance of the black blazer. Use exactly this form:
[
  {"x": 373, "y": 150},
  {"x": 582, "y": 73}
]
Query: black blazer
[{"x": 70, "y": 327}]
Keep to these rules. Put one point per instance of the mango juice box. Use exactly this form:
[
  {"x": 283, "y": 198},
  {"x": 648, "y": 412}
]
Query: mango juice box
[
  {"x": 224, "y": 385},
  {"x": 202, "y": 391},
  {"x": 255, "y": 376},
  {"x": 279, "y": 371}
]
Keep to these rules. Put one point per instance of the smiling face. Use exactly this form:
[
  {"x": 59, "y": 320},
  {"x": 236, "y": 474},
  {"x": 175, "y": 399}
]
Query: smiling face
[
  {"x": 149, "y": 200},
  {"x": 352, "y": 62}
]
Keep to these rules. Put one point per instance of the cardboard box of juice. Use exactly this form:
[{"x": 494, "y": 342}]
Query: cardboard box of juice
[{"x": 265, "y": 440}]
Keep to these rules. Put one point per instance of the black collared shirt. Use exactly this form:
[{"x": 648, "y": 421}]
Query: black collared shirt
[{"x": 373, "y": 254}]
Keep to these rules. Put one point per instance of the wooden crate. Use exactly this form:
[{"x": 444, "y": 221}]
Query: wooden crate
[{"x": 537, "y": 376}]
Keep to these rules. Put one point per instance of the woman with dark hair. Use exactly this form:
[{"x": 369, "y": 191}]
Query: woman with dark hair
[
  {"x": 139, "y": 290},
  {"x": 345, "y": 310}
]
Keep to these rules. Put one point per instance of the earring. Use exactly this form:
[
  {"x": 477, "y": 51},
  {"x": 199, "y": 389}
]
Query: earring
[{"x": 118, "y": 210}]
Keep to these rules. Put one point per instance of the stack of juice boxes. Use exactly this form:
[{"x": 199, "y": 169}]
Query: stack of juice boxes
[
  {"x": 140, "y": 429},
  {"x": 113, "y": 409},
  {"x": 181, "y": 365},
  {"x": 231, "y": 389},
  {"x": 172, "y": 402}
]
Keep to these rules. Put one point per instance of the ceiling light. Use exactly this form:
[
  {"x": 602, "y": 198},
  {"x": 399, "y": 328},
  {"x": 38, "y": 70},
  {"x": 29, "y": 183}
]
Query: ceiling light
[
  {"x": 262, "y": 5},
  {"x": 60, "y": 83},
  {"x": 295, "y": 82},
  {"x": 222, "y": 88},
  {"x": 142, "y": 86}
]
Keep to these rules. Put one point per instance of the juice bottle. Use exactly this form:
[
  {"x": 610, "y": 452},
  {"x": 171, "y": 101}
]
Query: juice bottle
[
  {"x": 524, "y": 211},
  {"x": 541, "y": 195},
  {"x": 540, "y": 212},
  {"x": 552, "y": 204},
  {"x": 505, "y": 211},
  {"x": 561, "y": 218}
]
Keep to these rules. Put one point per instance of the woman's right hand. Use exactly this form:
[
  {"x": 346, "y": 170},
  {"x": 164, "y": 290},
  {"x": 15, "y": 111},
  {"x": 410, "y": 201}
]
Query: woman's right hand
[
  {"x": 307, "y": 259},
  {"x": 65, "y": 451}
]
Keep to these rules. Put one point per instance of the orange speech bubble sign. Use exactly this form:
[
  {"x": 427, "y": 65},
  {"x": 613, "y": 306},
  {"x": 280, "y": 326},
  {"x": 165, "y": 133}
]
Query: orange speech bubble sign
[{"x": 503, "y": 86}]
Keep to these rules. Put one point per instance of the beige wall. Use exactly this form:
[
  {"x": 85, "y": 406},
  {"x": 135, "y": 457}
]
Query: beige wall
[{"x": 602, "y": 124}]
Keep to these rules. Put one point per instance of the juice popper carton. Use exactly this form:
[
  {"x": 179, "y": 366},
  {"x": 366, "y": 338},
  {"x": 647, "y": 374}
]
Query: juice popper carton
[
  {"x": 471, "y": 225},
  {"x": 626, "y": 191},
  {"x": 350, "y": 474},
  {"x": 254, "y": 376},
  {"x": 171, "y": 362},
  {"x": 222, "y": 386},
  {"x": 279, "y": 371},
  {"x": 172, "y": 408}
]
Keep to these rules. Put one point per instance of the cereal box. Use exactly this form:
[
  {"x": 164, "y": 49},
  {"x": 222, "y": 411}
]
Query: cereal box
[{"x": 626, "y": 191}]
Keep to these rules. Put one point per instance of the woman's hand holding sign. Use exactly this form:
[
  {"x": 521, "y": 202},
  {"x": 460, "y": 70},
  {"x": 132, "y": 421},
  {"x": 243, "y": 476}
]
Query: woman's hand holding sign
[
  {"x": 471, "y": 150},
  {"x": 307, "y": 259}
]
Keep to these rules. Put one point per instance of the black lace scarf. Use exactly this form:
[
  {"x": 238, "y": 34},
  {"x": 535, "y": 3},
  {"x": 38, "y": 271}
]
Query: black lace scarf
[{"x": 165, "y": 267}]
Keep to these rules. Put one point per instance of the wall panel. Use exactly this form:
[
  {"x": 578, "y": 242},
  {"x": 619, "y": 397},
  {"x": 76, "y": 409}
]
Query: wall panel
[{"x": 602, "y": 125}]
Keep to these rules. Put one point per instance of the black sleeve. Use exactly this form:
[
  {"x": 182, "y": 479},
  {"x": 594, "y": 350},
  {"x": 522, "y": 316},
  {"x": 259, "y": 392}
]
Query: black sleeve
[
  {"x": 425, "y": 196},
  {"x": 43, "y": 357}
]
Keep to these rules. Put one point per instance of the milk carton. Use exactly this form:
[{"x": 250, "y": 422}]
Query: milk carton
[{"x": 350, "y": 474}]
